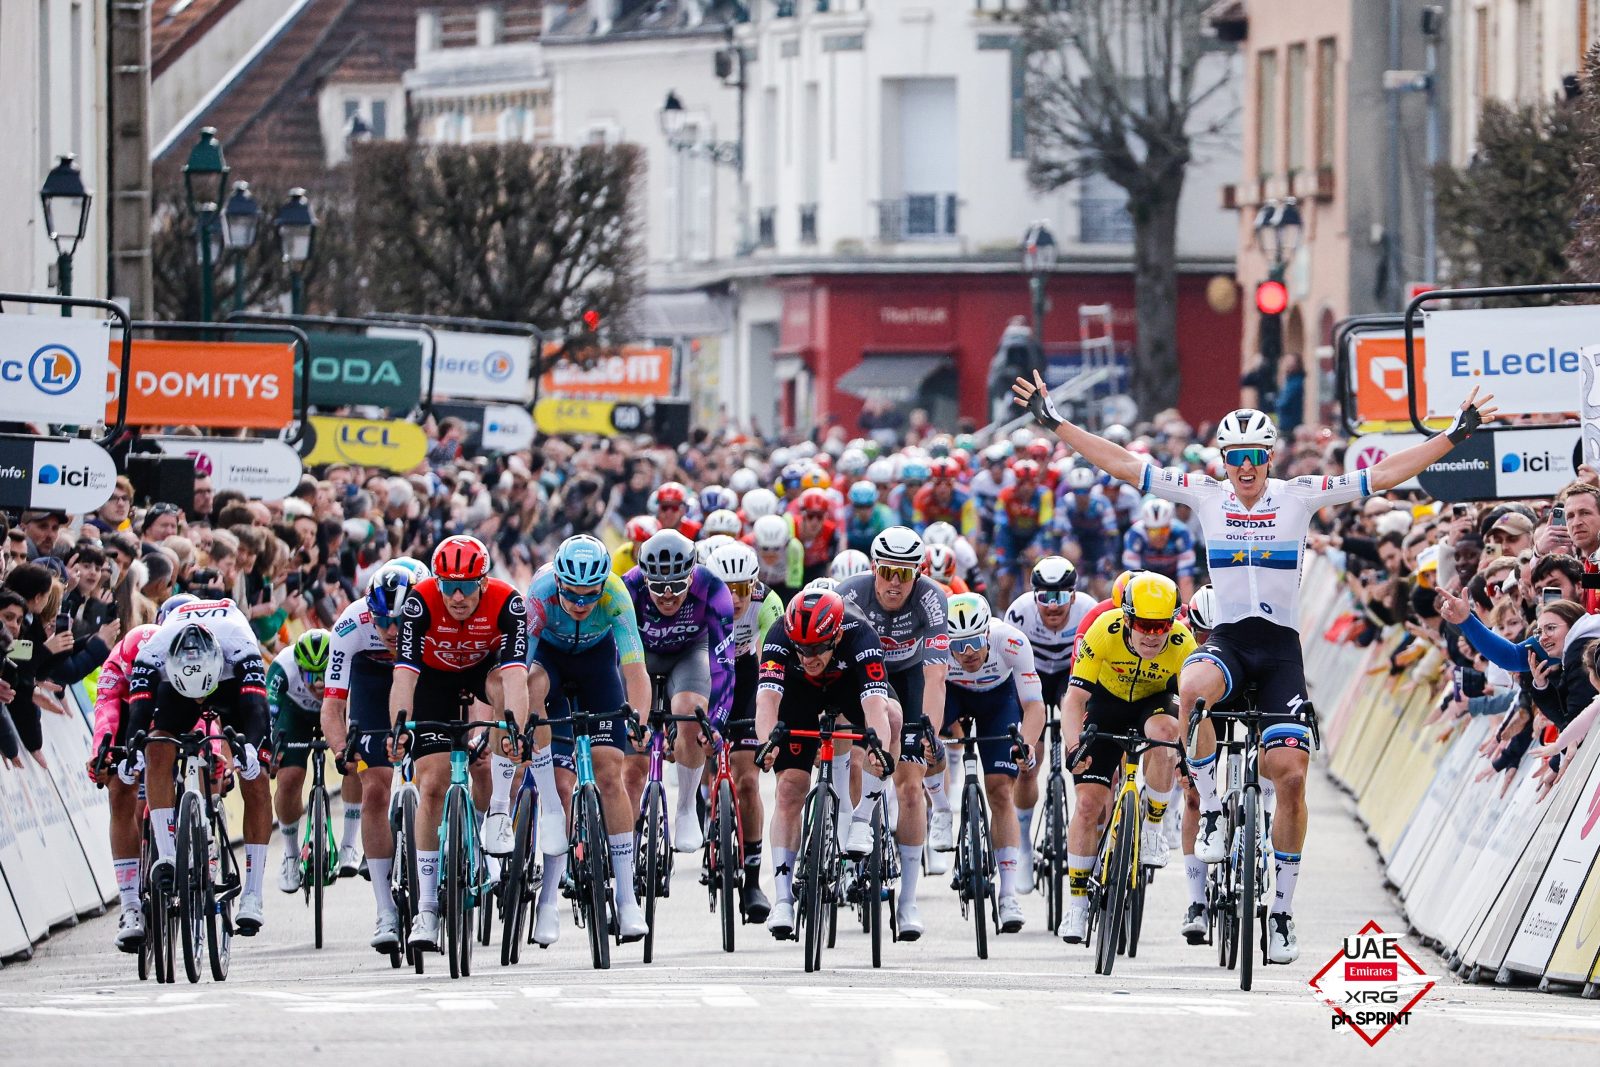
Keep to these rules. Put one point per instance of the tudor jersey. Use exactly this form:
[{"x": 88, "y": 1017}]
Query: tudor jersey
[
  {"x": 1254, "y": 555},
  {"x": 1052, "y": 649},
  {"x": 496, "y": 631},
  {"x": 1008, "y": 656}
]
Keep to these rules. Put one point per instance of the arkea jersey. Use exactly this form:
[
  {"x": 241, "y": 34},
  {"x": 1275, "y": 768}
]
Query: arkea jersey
[
  {"x": 496, "y": 632},
  {"x": 286, "y": 682},
  {"x": 1175, "y": 559},
  {"x": 1008, "y": 655},
  {"x": 355, "y": 635},
  {"x": 913, "y": 635},
  {"x": 1052, "y": 649},
  {"x": 549, "y": 622},
  {"x": 1255, "y": 554}
]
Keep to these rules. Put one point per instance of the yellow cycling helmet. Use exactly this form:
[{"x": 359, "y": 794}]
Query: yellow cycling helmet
[
  {"x": 1119, "y": 585},
  {"x": 1150, "y": 598}
]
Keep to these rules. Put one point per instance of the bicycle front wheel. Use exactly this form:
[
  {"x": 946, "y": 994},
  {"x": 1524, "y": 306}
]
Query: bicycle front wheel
[
  {"x": 972, "y": 861},
  {"x": 1118, "y": 872},
  {"x": 317, "y": 870},
  {"x": 407, "y": 880},
  {"x": 513, "y": 876},
  {"x": 872, "y": 889},
  {"x": 452, "y": 897},
  {"x": 1055, "y": 850},
  {"x": 193, "y": 871},
  {"x": 1247, "y": 886},
  {"x": 595, "y": 867},
  {"x": 150, "y": 948},
  {"x": 726, "y": 866},
  {"x": 219, "y": 909},
  {"x": 813, "y": 910},
  {"x": 652, "y": 839}
]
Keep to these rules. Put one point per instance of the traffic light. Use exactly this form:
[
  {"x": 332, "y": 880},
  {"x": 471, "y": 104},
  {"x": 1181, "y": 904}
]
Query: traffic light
[
  {"x": 1272, "y": 297},
  {"x": 591, "y": 320}
]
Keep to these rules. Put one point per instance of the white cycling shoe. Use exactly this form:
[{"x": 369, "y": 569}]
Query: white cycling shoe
[
  {"x": 1075, "y": 922},
  {"x": 1010, "y": 915},
  {"x": 1152, "y": 845},
  {"x": 909, "y": 921},
  {"x": 425, "y": 931},
  {"x": 630, "y": 922},
  {"x": 780, "y": 920},
  {"x": 935, "y": 862},
  {"x": 1211, "y": 845},
  {"x": 1283, "y": 946},
  {"x": 547, "y": 925},
  {"x": 499, "y": 838},
  {"x": 386, "y": 935},
  {"x": 130, "y": 929},
  {"x": 289, "y": 873},
  {"x": 859, "y": 841},
  {"x": 349, "y": 862},
  {"x": 249, "y": 917},
  {"x": 687, "y": 833},
  {"x": 941, "y": 831}
]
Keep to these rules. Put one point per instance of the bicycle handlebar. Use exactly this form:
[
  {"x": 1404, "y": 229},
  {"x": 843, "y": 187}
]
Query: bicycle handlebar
[
  {"x": 1307, "y": 715},
  {"x": 403, "y": 732},
  {"x": 1132, "y": 744}
]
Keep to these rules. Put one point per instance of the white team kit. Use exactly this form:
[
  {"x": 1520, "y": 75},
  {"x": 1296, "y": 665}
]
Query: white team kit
[
  {"x": 1052, "y": 649},
  {"x": 296, "y": 685},
  {"x": 1007, "y": 656},
  {"x": 354, "y": 634},
  {"x": 226, "y": 623}
]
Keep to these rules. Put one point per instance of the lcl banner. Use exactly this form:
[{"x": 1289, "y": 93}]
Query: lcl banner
[
  {"x": 211, "y": 384},
  {"x": 55, "y": 474},
  {"x": 479, "y": 366},
  {"x": 395, "y": 445},
  {"x": 1528, "y": 357},
  {"x": 52, "y": 369},
  {"x": 260, "y": 469}
]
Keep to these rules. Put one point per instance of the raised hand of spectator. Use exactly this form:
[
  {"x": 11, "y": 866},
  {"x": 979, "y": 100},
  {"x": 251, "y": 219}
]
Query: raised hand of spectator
[
  {"x": 1540, "y": 670},
  {"x": 59, "y": 642},
  {"x": 109, "y": 633},
  {"x": 1452, "y": 609}
]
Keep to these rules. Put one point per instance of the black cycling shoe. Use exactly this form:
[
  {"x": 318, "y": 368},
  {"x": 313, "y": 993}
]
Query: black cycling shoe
[
  {"x": 1196, "y": 926},
  {"x": 755, "y": 904}
]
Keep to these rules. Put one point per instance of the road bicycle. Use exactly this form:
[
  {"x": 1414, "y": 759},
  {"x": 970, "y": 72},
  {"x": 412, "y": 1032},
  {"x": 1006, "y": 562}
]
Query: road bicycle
[
  {"x": 652, "y": 837},
  {"x": 818, "y": 872},
  {"x": 974, "y": 875},
  {"x": 196, "y": 908},
  {"x": 521, "y": 873},
  {"x": 1050, "y": 838},
  {"x": 319, "y": 853},
  {"x": 403, "y": 880},
  {"x": 1118, "y": 879},
  {"x": 1236, "y": 888},
  {"x": 463, "y": 875},
  {"x": 154, "y": 951},
  {"x": 722, "y": 860}
]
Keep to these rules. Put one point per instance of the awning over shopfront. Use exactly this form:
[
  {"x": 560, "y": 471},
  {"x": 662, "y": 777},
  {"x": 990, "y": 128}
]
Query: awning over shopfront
[
  {"x": 892, "y": 378},
  {"x": 675, "y": 315}
]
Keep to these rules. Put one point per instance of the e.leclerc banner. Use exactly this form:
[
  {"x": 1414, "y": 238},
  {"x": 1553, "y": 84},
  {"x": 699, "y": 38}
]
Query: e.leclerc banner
[
  {"x": 478, "y": 366},
  {"x": 260, "y": 469},
  {"x": 55, "y": 474},
  {"x": 52, "y": 369},
  {"x": 348, "y": 368},
  {"x": 1527, "y": 357},
  {"x": 395, "y": 445},
  {"x": 215, "y": 384}
]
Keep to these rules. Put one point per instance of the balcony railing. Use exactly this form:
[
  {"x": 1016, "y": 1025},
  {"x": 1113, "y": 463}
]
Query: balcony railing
[
  {"x": 917, "y": 217},
  {"x": 808, "y": 224},
  {"x": 1104, "y": 221},
  {"x": 766, "y": 227}
]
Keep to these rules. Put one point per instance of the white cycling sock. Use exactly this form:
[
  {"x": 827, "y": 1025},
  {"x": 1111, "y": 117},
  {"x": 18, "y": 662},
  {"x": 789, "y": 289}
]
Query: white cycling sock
[
  {"x": 502, "y": 772},
  {"x": 871, "y": 786},
  {"x": 1205, "y": 782},
  {"x": 255, "y": 869},
  {"x": 127, "y": 882},
  {"x": 1194, "y": 870},
  {"x": 1286, "y": 872},
  {"x": 688, "y": 788},
  {"x": 1269, "y": 796},
  {"x": 938, "y": 795},
  {"x": 166, "y": 832},
  {"x": 428, "y": 880},
  {"x": 544, "y": 779},
  {"x": 352, "y": 827},
  {"x": 1006, "y": 860},
  {"x": 382, "y": 891},
  {"x": 291, "y": 839},
  {"x": 910, "y": 871},
  {"x": 783, "y": 873},
  {"x": 622, "y": 867},
  {"x": 555, "y": 866},
  {"x": 841, "y": 779}
]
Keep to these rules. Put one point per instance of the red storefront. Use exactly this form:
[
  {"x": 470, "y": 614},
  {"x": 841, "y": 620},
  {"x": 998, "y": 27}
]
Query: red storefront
[{"x": 944, "y": 329}]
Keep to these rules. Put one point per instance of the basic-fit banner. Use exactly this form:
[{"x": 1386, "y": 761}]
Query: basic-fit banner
[
  {"x": 220, "y": 385},
  {"x": 52, "y": 369}
]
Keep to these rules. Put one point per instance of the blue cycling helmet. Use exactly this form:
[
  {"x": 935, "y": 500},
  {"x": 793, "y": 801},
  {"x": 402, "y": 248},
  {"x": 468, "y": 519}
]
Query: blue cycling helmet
[
  {"x": 419, "y": 570},
  {"x": 582, "y": 560},
  {"x": 173, "y": 603},
  {"x": 716, "y": 498},
  {"x": 863, "y": 494},
  {"x": 914, "y": 470},
  {"x": 388, "y": 588},
  {"x": 790, "y": 477}
]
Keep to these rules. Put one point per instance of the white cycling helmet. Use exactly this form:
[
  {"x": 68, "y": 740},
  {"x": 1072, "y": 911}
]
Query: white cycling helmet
[
  {"x": 194, "y": 662},
  {"x": 1246, "y": 427},
  {"x": 722, "y": 522},
  {"x": 881, "y": 472},
  {"x": 820, "y": 585},
  {"x": 897, "y": 546},
  {"x": 743, "y": 480},
  {"x": 848, "y": 564},
  {"x": 1080, "y": 478},
  {"x": 733, "y": 561},
  {"x": 940, "y": 564},
  {"x": 1117, "y": 434},
  {"x": 1157, "y": 514},
  {"x": 1054, "y": 574},
  {"x": 852, "y": 461},
  {"x": 1203, "y": 608},
  {"x": 759, "y": 502},
  {"x": 706, "y": 547},
  {"x": 967, "y": 615},
  {"x": 940, "y": 533},
  {"x": 771, "y": 533},
  {"x": 1020, "y": 438}
]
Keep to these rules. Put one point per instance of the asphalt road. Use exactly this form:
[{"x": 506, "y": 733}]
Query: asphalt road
[{"x": 933, "y": 1003}]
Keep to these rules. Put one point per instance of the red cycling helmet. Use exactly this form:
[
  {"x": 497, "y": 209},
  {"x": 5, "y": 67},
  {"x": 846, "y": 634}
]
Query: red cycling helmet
[
  {"x": 460, "y": 559},
  {"x": 1025, "y": 470},
  {"x": 669, "y": 493},
  {"x": 814, "y": 618},
  {"x": 1040, "y": 450},
  {"x": 945, "y": 468},
  {"x": 815, "y": 500},
  {"x": 641, "y": 528}
]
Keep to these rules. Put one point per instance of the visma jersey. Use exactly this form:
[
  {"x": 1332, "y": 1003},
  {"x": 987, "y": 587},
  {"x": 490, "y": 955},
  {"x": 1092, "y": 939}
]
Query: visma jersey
[{"x": 1254, "y": 554}]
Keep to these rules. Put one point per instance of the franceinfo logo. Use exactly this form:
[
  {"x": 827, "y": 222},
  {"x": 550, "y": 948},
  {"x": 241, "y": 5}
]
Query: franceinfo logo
[{"x": 1460, "y": 465}]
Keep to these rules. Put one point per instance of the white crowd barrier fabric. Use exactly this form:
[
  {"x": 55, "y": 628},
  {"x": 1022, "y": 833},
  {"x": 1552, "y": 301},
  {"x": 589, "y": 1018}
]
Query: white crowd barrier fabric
[
  {"x": 55, "y": 857},
  {"x": 1501, "y": 876}
]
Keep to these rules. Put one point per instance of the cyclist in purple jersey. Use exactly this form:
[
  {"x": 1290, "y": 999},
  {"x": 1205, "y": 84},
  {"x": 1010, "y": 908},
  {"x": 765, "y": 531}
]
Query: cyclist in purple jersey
[{"x": 686, "y": 624}]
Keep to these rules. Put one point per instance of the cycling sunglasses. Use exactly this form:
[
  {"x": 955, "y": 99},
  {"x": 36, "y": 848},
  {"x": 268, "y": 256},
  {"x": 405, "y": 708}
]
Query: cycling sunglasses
[
  {"x": 677, "y": 588},
  {"x": 449, "y": 587},
  {"x": 818, "y": 649},
  {"x": 1150, "y": 626},
  {"x": 579, "y": 600},
  {"x": 813, "y": 514},
  {"x": 1053, "y": 596},
  {"x": 897, "y": 574},
  {"x": 968, "y": 644},
  {"x": 741, "y": 588},
  {"x": 384, "y": 622},
  {"x": 1238, "y": 457}
]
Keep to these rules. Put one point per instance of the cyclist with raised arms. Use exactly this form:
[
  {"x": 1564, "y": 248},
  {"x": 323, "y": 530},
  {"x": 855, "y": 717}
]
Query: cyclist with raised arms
[
  {"x": 1255, "y": 528},
  {"x": 755, "y": 609},
  {"x": 686, "y": 626},
  {"x": 355, "y": 699},
  {"x": 826, "y": 660},
  {"x": 462, "y": 633},
  {"x": 205, "y": 655},
  {"x": 295, "y": 685},
  {"x": 582, "y": 629},
  {"x": 993, "y": 681},
  {"x": 907, "y": 609}
]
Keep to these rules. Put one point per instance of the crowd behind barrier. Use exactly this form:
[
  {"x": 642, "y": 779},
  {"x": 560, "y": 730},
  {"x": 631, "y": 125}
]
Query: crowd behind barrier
[{"x": 1496, "y": 869}]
